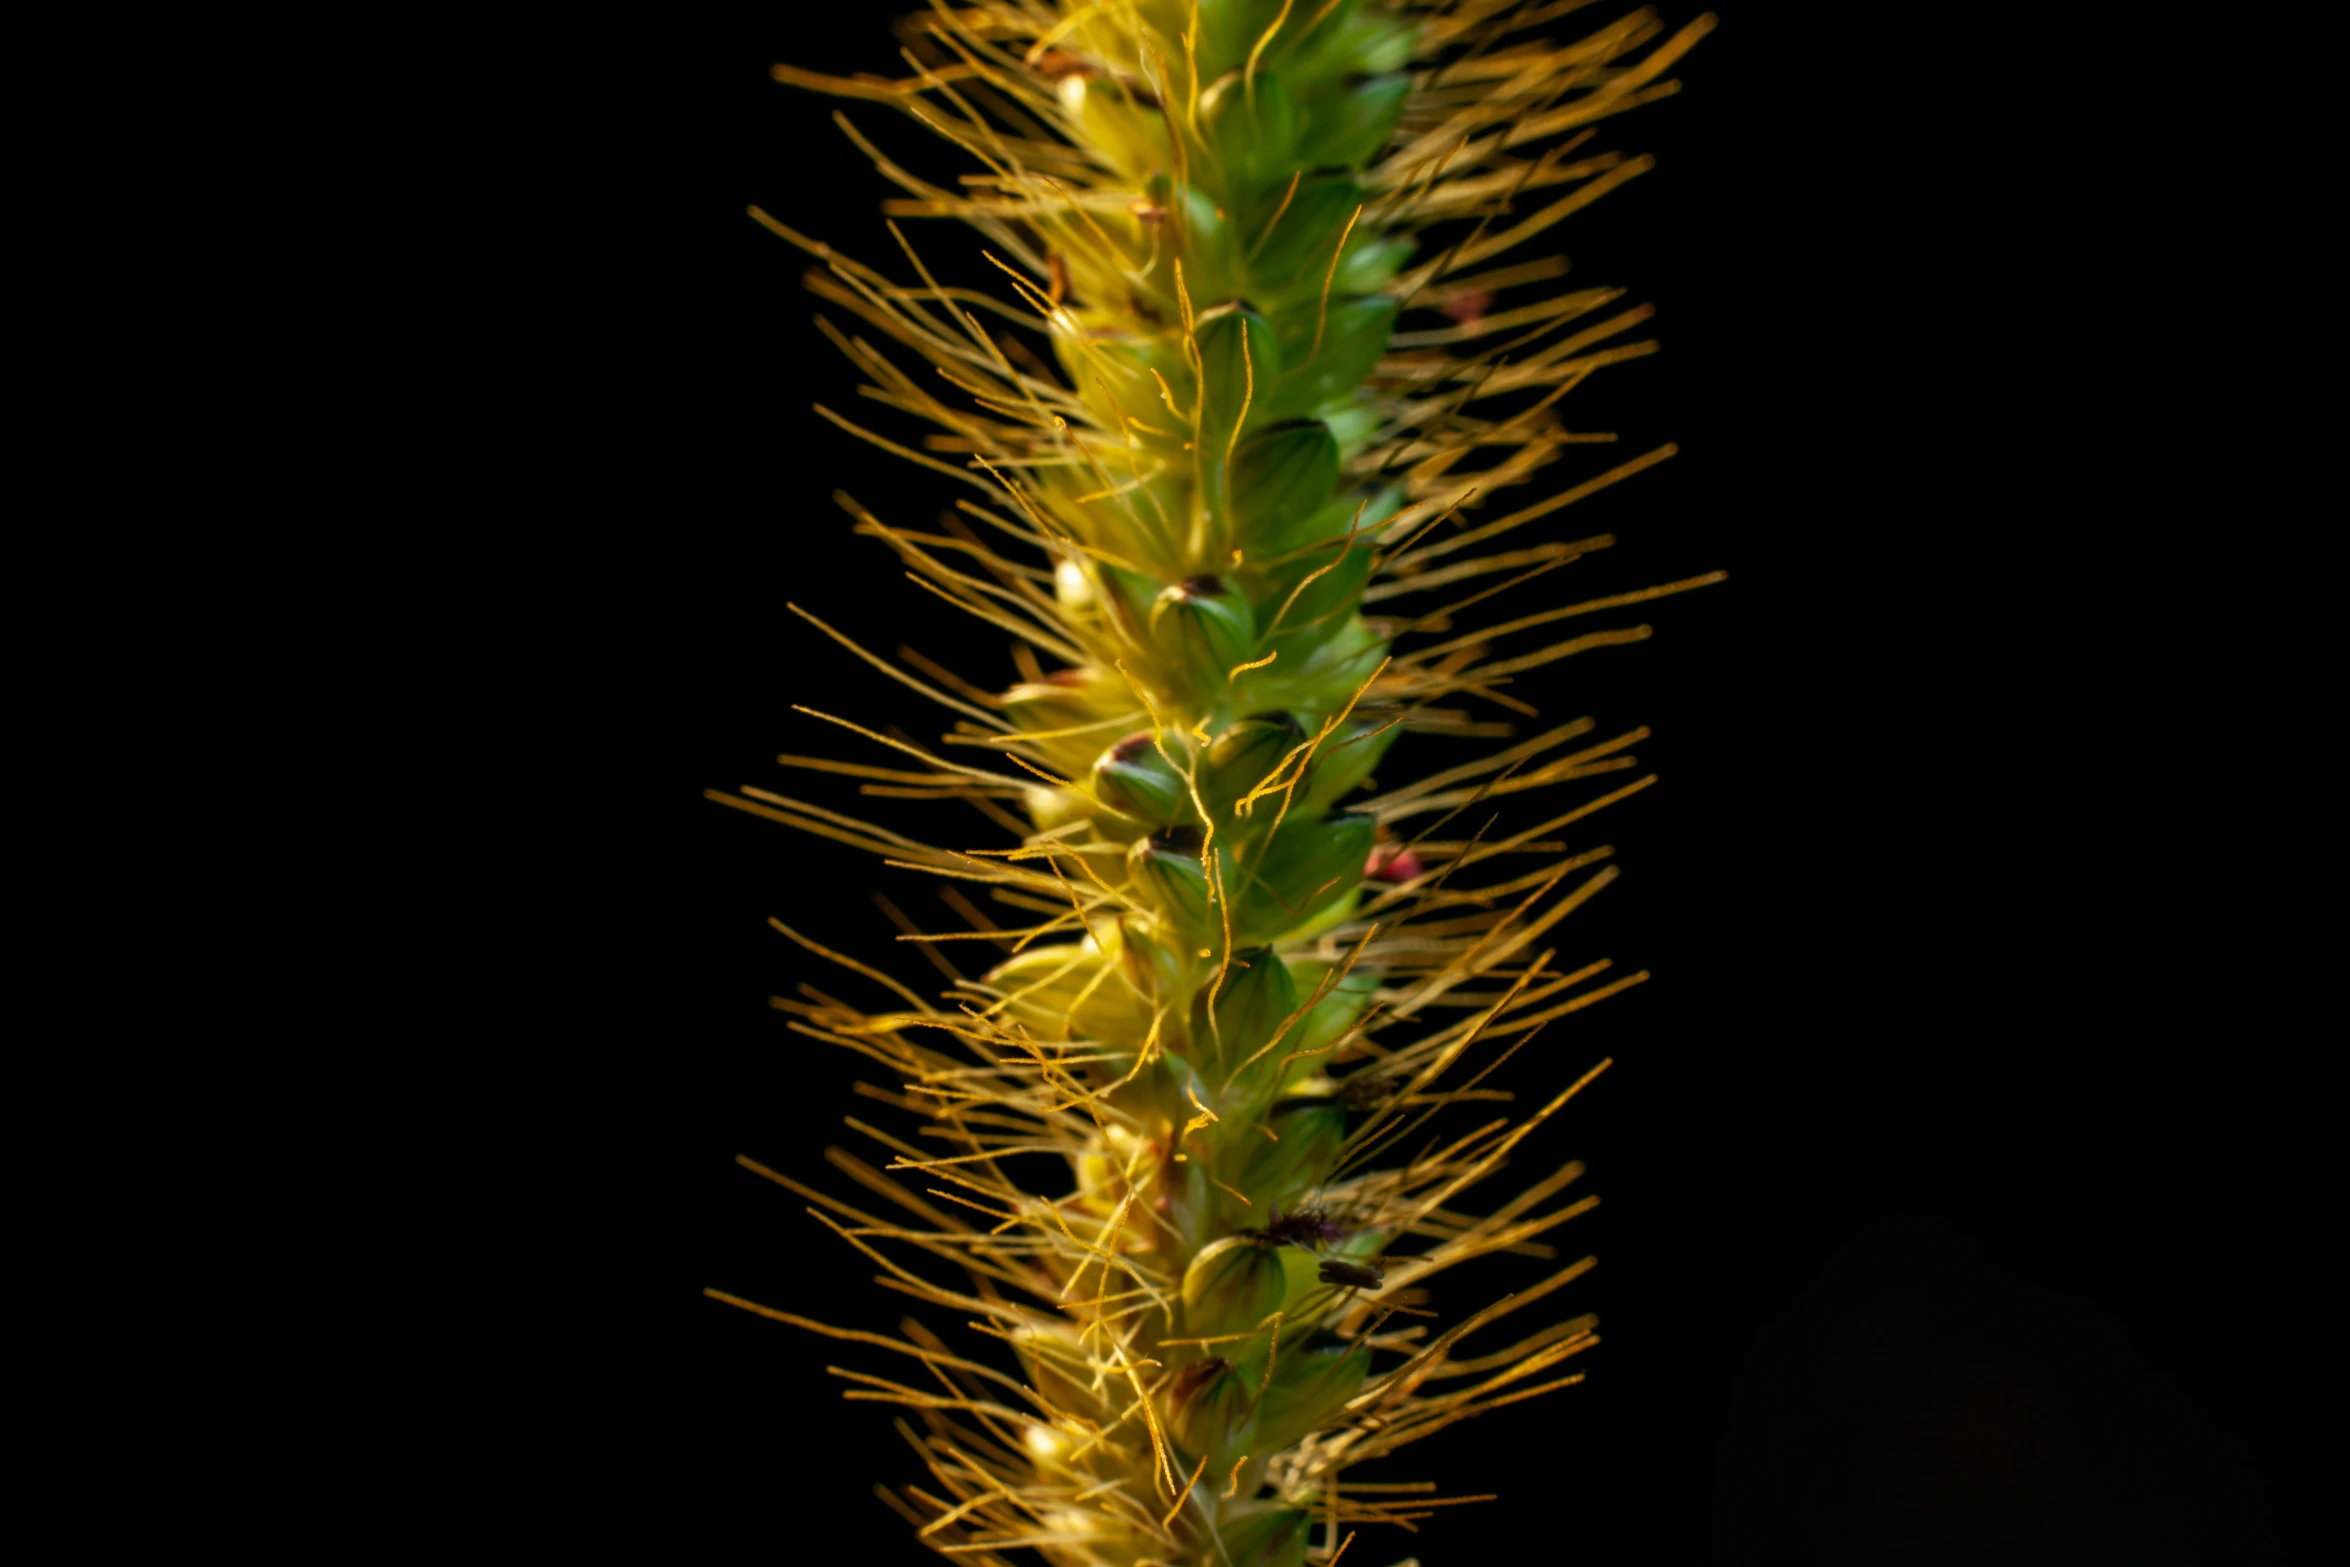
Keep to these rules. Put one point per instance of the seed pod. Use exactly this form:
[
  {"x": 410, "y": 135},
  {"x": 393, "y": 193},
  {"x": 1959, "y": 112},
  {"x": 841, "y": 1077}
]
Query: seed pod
[
  {"x": 1212, "y": 256},
  {"x": 1297, "y": 252},
  {"x": 1151, "y": 967},
  {"x": 1349, "y": 130},
  {"x": 1304, "y": 873},
  {"x": 1306, "y": 595},
  {"x": 1282, "y": 560},
  {"x": 1052, "y": 808},
  {"x": 1047, "y": 984},
  {"x": 1206, "y": 629},
  {"x": 1229, "y": 31},
  {"x": 1371, "y": 265},
  {"x": 1354, "y": 335},
  {"x": 1281, "y": 478},
  {"x": 1132, "y": 778},
  {"x": 1335, "y": 1013},
  {"x": 1253, "y": 1003},
  {"x": 1242, "y": 757},
  {"x": 1240, "y": 363},
  {"x": 1067, "y": 699},
  {"x": 1271, "y": 1537},
  {"x": 1209, "y": 1412},
  {"x": 1046, "y": 1356},
  {"x": 1124, "y": 121},
  {"x": 1166, "y": 867},
  {"x": 1345, "y": 760},
  {"x": 1281, "y": 1175},
  {"x": 1310, "y": 1385},
  {"x": 1231, "y": 1287},
  {"x": 1164, "y": 1091},
  {"x": 1363, "y": 44},
  {"x": 1129, "y": 597},
  {"x": 1320, "y": 681},
  {"x": 1258, "y": 121}
]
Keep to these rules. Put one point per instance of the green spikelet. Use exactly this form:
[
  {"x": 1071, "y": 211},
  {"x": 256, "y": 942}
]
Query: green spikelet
[{"x": 1159, "y": 1127}]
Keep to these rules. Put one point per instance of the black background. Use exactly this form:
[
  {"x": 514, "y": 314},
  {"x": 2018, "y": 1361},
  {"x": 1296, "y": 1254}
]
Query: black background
[
  {"x": 1975, "y": 1103},
  {"x": 1957, "y": 1117}
]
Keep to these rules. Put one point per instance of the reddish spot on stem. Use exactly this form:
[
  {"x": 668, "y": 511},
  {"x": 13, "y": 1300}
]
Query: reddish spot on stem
[{"x": 1468, "y": 309}]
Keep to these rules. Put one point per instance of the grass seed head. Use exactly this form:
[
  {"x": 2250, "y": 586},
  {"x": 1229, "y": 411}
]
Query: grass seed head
[{"x": 1274, "y": 338}]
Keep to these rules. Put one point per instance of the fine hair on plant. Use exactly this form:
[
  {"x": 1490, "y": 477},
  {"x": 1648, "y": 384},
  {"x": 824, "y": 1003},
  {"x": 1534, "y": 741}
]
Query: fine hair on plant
[{"x": 1246, "y": 453}]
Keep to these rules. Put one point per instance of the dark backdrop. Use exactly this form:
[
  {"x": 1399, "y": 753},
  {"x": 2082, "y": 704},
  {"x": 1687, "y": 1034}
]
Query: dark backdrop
[
  {"x": 1957, "y": 1166},
  {"x": 1962, "y": 1168}
]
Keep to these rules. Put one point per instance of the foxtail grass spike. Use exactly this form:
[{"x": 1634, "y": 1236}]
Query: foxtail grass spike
[{"x": 1245, "y": 451}]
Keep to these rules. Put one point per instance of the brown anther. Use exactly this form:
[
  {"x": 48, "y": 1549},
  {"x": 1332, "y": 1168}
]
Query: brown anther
[
  {"x": 1193, "y": 1378},
  {"x": 1362, "y": 1277},
  {"x": 1469, "y": 308},
  {"x": 1054, "y": 64}
]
